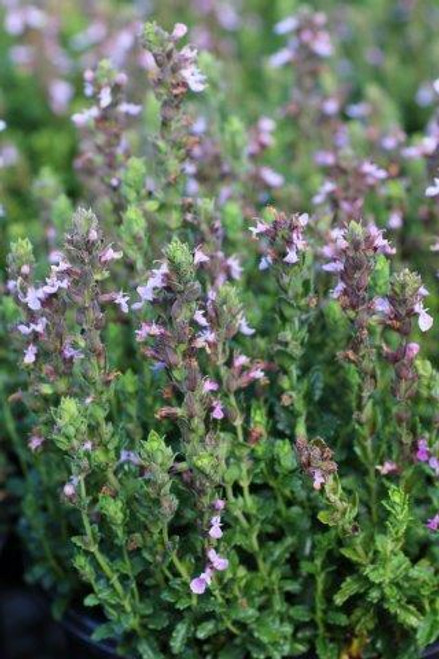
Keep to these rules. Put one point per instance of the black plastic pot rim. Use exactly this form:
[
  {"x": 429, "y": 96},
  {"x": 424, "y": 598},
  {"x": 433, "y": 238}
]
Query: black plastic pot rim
[{"x": 82, "y": 627}]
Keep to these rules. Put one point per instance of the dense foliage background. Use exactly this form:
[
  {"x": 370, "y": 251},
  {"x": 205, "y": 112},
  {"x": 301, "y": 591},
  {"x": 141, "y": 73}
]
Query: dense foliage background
[{"x": 206, "y": 368}]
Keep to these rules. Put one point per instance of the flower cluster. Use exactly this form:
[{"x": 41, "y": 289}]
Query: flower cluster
[
  {"x": 105, "y": 149},
  {"x": 216, "y": 563},
  {"x": 316, "y": 459},
  {"x": 404, "y": 302},
  {"x": 309, "y": 41},
  {"x": 284, "y": 238}
]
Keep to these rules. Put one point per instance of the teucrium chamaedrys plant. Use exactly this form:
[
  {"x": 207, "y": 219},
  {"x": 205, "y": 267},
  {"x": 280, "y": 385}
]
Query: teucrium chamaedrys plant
[{"x": 230, "y": 445}]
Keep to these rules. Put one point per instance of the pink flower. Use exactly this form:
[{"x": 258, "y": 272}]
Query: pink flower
[
  {"x": 235, "y": 267},
  {"x": 425, "y": 321},
  {"x": 129, "y": 456},
  {"x": 411, "y": 351},
  {"x": 179, "y": 31},
  {"x": 265, "y": 262},
  {"x": 210, "y": 385},
  {"x": 122, "y": 301},
  {"x": 338, "y": 290},
  {"x": 291, "y": 256},
  {"x": 215, "y": 530},
  {"x": 217, "y": 410},
  {"x": 260, "y": 227},
  {"x": 388, "y": 467},
  {"x": 148, "y": 329},
  {"x": 219, "y": 504},
  {"x": 191, "y": 74},
  {"x": 109, "y": 255},
  {"x": 35, "y": 442},
  {"x": 333, "y": 266},
  {"x": 256, "y": 374},
  {"x": 286, "y": 25},
  {"x": 280, "y": 58},
  {"x": 199, "y": 317},
  {"x": 382, "y": 305},
  {"x": 372, "y": 172},
  {"x": 83, "y": 118},
  {"x": 69, "y": 489},
  {"x": 423, "y": 452},
  {"x": 240, "y": 360},
  {"x": 30, "y": 354},
  {"x": 131, "y": 109},
  {"x": 33, "y": 298},
  {"x": 68, "y": 352},
  {"x": 105, "y": 97},
  {"x": 244, "y": 327},
  {"x": 200, "y": 256},
  {"x": 318, "y": 479},
  {"x": 433, "y": 523},
  {"x": 433, "y": 190},
  {"x": 53, "y": 284},
  {"x": 218, "y": 562},
  {"x": 199, "y": 584},
  {"x": 271, "y": 178}
]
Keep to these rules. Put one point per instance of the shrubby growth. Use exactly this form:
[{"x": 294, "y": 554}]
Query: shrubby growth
[{"x": 222, "y": 429}]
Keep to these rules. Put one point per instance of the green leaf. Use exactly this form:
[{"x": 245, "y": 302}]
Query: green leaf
[
  {"x": 206, "y": 629},
  {"x": 106, "y": 630},
  {"x": 179, "y": 636},
  {"x": 428, "y": 630},
  {"x": 91, "y": 600},
  {"x": 351, "y": 586}
]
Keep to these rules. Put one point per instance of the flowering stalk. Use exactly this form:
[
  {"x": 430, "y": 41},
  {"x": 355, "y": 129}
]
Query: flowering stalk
[{"x": 284, "y": 251}]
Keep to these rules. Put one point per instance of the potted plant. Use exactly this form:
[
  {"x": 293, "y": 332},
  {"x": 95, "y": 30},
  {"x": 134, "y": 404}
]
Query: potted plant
[{"x": 227, "y": 457}]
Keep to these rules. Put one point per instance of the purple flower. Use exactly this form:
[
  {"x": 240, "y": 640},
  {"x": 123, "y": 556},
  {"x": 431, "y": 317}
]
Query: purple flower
[
  {"x": 218, "y": 562},
  {"x": 122, "y": 301},
  {"x": 33, "y": 298},
  {"x": 199, "y": 317},
  {"x": 235, "y": 267},
  {"x": 200, "y": 256},
  {"x": 318, "y": 479},
  {"x": 244, "y": 327},
  {"x": 217, "y": 410},
  {"x": 434, "y": 464},
  {"x": 215, "y": 530},
  {"x": 68, "y": 352},
  {"x": 256, "y": 373},
  {"x": 425, "y": 321},
  {"x": 433, "y": 523},
  {"x": 109, "y": 255},
  {"x": 291, "y": 256},
  {"x": 423, "y": 452},
  {"x": 433, "y": 190},
  {"x": 199, "y": 584},
  {"x": 83, "y": 118},
  {"x": 333, "y": 266},
  {"x": 69, "y": 489},
  {"x": 129, "y": 456},
  {"x": 265, "y": 262},
  {"x": 30, "y": 354},
  {"x": 210, "y": 385},
  {"x": 219, "y": 504},
  {"x": 131, "y": 109},
  {"x": 260, "y": 227},
  {"x": 35, "y": 442},
  {"x": 411, "y": 351},
  {"x": 270, "y": 177},
  {"x": 388, "y": 467},
  {"x": 179, "y": 31},
  {"x": 382, "y": 305}
]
